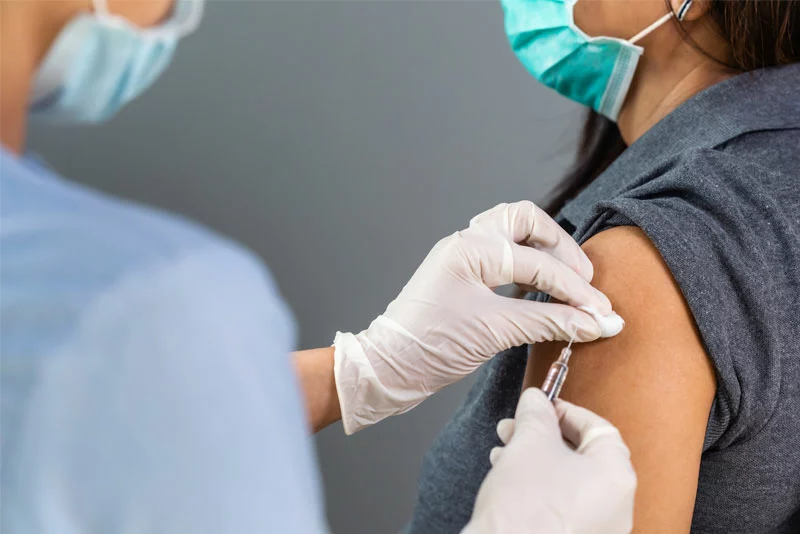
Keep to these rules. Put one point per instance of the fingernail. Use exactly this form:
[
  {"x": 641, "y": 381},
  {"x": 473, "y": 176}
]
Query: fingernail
[{"x": 610, "y": 325}]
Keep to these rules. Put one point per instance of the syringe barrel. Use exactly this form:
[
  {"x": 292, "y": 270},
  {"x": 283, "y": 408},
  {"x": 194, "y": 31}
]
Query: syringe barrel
[{"x": 555, "y": 379}]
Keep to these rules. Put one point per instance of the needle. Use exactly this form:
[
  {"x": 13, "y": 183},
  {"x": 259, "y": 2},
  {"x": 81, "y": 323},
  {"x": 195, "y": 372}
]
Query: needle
[{"x": 571, "y": 339}]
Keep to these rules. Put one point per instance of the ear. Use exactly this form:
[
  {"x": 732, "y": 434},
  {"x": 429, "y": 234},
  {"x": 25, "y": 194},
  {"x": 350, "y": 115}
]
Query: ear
[{"x": 695, "y": 10}]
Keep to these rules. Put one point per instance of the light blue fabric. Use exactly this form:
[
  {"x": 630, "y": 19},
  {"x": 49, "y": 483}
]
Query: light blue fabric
[
  {"x": 146, "y": 380},
  {"x": 593, "y": 71}
]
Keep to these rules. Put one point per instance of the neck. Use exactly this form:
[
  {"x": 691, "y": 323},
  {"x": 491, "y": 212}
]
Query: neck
[
  {"x": 26, "y": 31},
  {"x": 17, "y": 67},
  {"x": 658, "y": 89}
]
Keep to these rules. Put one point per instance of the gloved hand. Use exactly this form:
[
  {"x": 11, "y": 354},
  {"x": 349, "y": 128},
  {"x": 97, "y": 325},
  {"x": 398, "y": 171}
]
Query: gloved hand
[
  {"x": 540, "y": 484},
  {"x": 447, "y": 321}
]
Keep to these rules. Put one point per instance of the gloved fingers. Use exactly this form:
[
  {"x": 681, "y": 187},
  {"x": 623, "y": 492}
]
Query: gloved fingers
[
  {"x": 517, "y": 322},
  {"x": 591, "y": 434},
  {"x": 524, "y": 222},
  {"x": 550, "y": 275},
  {"x": 505, "y": 429},
  {"x": 535, "y": 413},
  {"x": 495, "y": 454}
]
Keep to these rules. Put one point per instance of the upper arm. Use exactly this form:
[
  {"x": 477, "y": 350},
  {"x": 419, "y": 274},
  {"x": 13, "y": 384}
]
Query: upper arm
[{"x": 654, "y": 381}]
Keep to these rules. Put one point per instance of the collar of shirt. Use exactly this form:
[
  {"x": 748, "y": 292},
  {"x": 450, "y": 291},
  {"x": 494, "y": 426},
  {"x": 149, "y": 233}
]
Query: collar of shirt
[{"x": 754, "y": 101}]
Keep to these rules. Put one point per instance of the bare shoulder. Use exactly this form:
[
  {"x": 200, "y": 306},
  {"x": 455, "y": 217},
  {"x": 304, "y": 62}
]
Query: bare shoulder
[{"x": 654, "y": 380}]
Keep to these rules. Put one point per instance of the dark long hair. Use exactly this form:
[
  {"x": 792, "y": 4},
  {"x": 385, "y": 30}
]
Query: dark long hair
[{"x": 760, "y": 33}]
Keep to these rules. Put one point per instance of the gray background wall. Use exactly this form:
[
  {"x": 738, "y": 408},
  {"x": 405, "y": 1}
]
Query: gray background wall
[{"x": 339, "y": 140}]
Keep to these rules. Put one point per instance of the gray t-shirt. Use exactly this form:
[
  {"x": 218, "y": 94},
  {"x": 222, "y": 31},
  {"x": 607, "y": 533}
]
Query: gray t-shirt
[{"x": 716, "y": 186}]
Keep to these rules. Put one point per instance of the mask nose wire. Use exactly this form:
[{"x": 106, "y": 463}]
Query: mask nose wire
[{"x": 660, "y": 22}]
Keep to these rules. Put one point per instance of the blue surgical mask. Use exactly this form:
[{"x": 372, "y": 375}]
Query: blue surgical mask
[
  {"x": 593, "y": 71},
  {"x": 100, "y": 62}
]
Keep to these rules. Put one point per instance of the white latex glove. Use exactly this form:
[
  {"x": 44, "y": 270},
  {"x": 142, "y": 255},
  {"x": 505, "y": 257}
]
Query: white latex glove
[
  {"x": 447, "y": 321},
  {"x": 540, "y": 484}
]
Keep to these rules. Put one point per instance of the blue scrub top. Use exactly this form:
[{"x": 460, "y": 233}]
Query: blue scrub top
[{"x": 146, "y": 379}]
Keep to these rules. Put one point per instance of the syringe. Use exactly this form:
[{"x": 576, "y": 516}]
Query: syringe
[{"x": 558, "y": 372}]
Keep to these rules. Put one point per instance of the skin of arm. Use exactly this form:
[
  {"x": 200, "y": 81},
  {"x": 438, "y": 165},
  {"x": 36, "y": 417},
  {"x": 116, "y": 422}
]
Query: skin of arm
[
  {"x": 314, "y": 370},
  {"x": 654, "y": 381}
]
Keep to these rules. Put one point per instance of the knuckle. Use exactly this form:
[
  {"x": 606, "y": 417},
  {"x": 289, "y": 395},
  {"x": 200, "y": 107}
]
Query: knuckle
[
  {"x": 529, "y": 205},
  {"x": 457, "y": 249},
  {"x": 453, "y": 241},
  {"x": 499, "y": 207},
  {"x": 487, "y": 215},
  {"x": 534, "y": 211}
]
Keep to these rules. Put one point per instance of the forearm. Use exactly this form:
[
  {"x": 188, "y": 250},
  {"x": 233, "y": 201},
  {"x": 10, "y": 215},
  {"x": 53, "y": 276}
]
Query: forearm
[{"x": 314, "y": 369}]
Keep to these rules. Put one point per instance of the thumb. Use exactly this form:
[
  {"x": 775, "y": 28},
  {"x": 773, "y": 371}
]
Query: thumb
[
  {"x": 535, "y": 414},
  {"x": 591, "y": 434}
]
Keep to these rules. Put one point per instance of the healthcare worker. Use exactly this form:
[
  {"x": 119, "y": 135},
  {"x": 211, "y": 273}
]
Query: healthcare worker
[{"x": 147, "y": 383}]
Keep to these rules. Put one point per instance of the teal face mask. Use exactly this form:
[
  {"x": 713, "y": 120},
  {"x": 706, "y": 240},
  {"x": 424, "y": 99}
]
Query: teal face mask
[
  {"x": 100, "y": 62},
  {"x": 593, "y": 71}
]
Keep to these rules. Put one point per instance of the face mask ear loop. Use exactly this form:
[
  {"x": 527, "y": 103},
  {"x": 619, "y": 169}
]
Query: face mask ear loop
[
  {"x": 189, "y": 25},
  {"x": 660, "y": 22},
  {"x": 193, "y": 20},
  {"x": 101, "y": 8},
  {"x": 157, "y": 33},
  {"x": 103, "y": 14}
]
